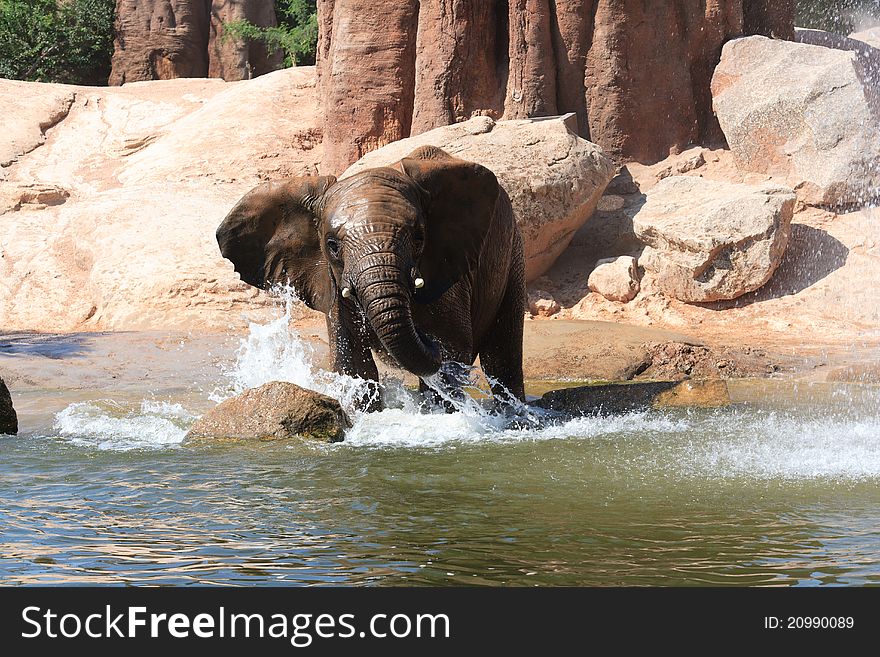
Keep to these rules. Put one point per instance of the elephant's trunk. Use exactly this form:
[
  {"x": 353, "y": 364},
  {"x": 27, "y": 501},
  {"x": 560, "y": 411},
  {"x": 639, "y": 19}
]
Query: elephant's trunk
[{"x": 383, "y": 291}]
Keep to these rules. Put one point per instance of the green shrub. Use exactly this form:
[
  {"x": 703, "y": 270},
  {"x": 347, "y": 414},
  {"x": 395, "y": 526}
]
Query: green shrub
[
  {"x": 296, "y": 34},
  {"x": 50, "y": 41}
]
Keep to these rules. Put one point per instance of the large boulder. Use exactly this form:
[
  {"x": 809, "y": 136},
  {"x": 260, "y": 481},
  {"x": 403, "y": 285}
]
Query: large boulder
[
  {"x": 806, "y": 113},
  {"x": 111, "y": 196},
  {"x": 554, "y": 178},
  {"x": 708, "y": 241},
  {"x": 392, "y": 68},
  {"x": 274, "y": 411},
  {"x": 8, "y": 418}
]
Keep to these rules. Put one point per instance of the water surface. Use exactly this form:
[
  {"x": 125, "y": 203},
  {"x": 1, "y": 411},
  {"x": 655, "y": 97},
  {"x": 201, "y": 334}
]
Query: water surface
[{"x": 780, "y": 488}]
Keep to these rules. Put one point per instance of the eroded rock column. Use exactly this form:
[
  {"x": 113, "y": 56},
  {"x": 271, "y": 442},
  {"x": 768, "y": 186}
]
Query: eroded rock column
[
  {"x": 635, "y": 73},
  {"x": 166, "y": 39},
  {"x": 368, "y": 77},
  {"x": 236, "y": 59},
  {"x": 160, "y": 40}
]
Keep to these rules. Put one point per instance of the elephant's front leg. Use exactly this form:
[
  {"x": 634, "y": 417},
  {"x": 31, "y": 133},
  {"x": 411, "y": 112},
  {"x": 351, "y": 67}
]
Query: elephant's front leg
[{"x": 351, "y": 355}]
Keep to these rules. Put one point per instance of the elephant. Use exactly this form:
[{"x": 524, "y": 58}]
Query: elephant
[{"x": 421, "y": 261}]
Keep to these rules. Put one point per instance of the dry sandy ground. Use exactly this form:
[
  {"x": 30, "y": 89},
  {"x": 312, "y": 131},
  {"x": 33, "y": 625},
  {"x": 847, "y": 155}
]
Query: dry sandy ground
[{"x": 155, "y": 362}]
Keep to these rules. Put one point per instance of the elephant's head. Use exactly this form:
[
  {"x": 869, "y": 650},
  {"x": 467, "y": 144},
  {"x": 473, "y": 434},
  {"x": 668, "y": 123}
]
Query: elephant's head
[{"x": 379, "y": 241}]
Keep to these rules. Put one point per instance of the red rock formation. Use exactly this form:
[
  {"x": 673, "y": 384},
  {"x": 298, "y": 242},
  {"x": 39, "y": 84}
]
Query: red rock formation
[
  {"x": 636, "y": 73},
  {"x": 448, "y": 90},
  {"x": 234, "y": 59},
  {"x": 772, "y": 18},
  {"x": 164, "y": 39},
  {"x": 368, "y": 76},
  {"x": 531, "y": 78},
  {"x": 160, "y": 39}
]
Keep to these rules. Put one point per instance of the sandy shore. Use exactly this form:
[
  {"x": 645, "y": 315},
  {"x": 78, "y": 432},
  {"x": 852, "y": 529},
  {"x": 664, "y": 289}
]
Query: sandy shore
[{"x": 554, "y": 350}]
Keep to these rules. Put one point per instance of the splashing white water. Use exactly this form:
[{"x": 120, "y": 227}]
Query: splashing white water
[
  {"x": 108, "y": 425},
  {"x": 276, "y": 352}
]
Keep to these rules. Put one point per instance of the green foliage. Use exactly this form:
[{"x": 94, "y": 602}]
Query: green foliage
[
  {"x": 840, "y": 16},
  {"x": 50, "y": 41},
  {"x": 296, "y": 34}
]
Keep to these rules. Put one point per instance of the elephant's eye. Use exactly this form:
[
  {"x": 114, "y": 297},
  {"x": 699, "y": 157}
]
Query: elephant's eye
[{"x": 333, "y": 247}]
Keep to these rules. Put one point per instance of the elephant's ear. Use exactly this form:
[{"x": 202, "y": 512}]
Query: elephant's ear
[
  {"x": 271, "y": 236},
  {"x": 460, "y": 204}
]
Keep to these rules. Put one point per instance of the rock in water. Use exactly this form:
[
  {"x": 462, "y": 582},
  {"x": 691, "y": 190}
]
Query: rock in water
[
  {"x": 618, "y": 398},
  {"x": 806, "y": 113},
  {"x": 708, "y": 240},
  {"x": 274, "y": 411},
  {"x": 616, "y": 279},
  {"x": 553, "y": 177},
  {"x": 8, "y": 417}
]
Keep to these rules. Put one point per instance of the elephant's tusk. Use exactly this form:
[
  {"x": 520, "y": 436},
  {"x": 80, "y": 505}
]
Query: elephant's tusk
[
  {"x": 419, "y": 283},
  {"x": 346, "y": 292}
]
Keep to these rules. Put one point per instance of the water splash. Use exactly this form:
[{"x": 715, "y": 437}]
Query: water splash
[
  {"x": 109, "y": 425},
  {"x": 277, "y": 352}
]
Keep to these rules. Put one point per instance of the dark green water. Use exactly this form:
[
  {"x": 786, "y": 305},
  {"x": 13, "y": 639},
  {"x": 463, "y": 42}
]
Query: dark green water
[
  {"x": 781, "y": 494},
  {"x": 780, "y": 488}
]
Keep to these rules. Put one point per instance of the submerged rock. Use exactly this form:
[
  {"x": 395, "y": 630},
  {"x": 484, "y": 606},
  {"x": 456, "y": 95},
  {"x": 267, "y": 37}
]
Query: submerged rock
[
  {"x": 8, "y": 417},
  {"x": 553, "y": 177},
  {"x": 617, "y": 398},
  {"x": 806, "y": 113},
  {"x": 708, "y": 240},
  {"x": 274, "y": 411}
]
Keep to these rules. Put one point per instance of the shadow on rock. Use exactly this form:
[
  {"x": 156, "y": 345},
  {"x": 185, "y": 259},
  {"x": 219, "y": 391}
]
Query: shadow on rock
[
  {"x": 608, "y": 233},
  {"x": 812, "y": 254}
]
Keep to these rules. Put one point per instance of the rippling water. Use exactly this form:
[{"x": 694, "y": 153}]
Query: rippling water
[{"x": 782, "y": 489}]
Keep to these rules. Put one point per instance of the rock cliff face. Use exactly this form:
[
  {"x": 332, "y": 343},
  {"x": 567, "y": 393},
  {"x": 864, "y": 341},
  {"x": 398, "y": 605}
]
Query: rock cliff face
[
  {"x": 233, "y": 59},
  {"x": 166, "y": 39},
  {"x": 636, "y": 74},
  {"x": 109, "y": 197}
]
